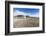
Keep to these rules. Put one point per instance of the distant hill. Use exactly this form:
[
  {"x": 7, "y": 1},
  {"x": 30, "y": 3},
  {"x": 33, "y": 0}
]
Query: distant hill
[
  {"x": 20, "y": 16},
  {"x": 26, "y": 16}
]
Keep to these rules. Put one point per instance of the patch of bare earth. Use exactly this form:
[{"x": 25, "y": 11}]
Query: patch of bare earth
[{"x": 28, "y": 22}]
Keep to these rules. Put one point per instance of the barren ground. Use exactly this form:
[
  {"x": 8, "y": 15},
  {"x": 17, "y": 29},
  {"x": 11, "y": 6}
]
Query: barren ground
[{"x": 28, "y": 22}]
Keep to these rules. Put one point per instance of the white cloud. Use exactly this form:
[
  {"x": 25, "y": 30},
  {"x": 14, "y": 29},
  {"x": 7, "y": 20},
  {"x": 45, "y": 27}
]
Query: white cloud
[
  {"x": 36, "y": 15},
  {"x": 19, "y": 13},
  {"x": 22, "y": 13}
]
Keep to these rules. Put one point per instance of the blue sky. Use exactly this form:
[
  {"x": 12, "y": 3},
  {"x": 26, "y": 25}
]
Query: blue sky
[{"x": 26, "y": 11}]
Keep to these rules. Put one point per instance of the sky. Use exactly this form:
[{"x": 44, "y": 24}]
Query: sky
[{"x": 33, "y": 12}]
